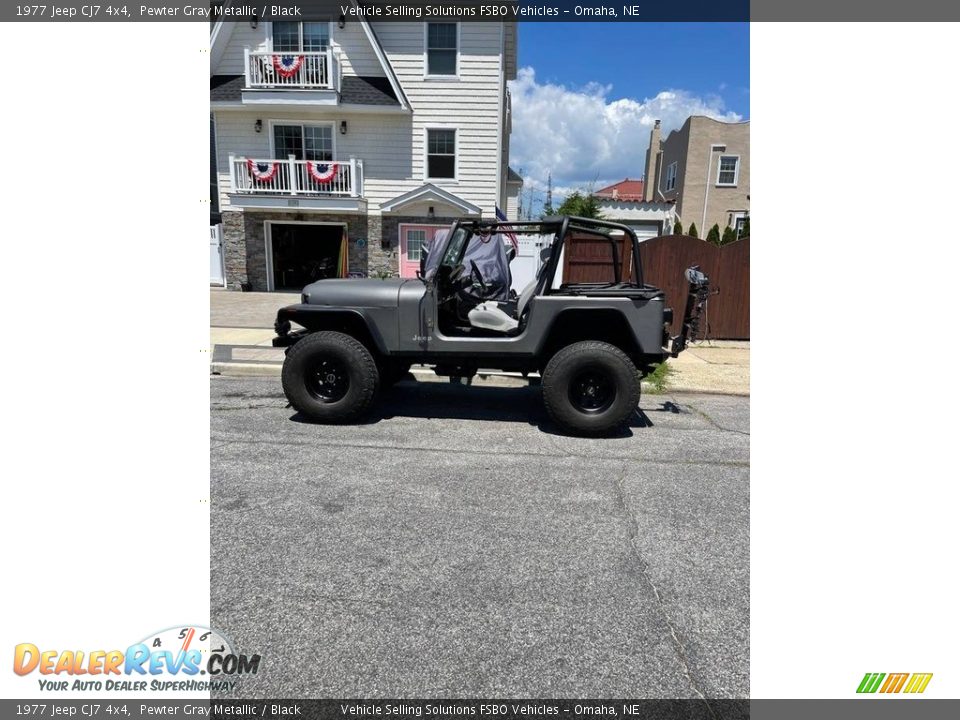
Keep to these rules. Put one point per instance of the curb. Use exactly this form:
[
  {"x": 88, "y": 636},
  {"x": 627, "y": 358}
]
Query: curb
[
  {"x": 264, "y": 369},
  {"x": 245, "y": 369},
  {"x": 492, "y": 379}
]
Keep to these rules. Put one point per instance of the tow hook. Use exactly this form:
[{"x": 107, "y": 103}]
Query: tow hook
[{"x": 697, "y": 293}]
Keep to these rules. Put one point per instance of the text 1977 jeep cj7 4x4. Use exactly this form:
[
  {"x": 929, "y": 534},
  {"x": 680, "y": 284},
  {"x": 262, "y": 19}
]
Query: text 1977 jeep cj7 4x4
[{"x": 590, "y": 341}]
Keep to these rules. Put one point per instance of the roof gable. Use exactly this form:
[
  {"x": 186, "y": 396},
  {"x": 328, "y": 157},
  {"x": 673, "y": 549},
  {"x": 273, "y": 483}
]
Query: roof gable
[
  {"x": 429, "y": 192},
  {"x": 222, "y": 32}
]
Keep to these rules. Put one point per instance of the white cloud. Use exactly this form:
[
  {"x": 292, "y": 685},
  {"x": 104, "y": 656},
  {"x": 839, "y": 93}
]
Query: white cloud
[{"x": 585, "y": 138}]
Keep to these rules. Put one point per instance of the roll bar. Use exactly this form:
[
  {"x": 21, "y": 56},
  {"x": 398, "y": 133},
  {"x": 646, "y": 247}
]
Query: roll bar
[{"x": 560, "y": 225}]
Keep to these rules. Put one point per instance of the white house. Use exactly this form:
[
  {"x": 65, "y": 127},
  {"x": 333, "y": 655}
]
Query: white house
[
  {"x": 624, "y": 202},
  {"x": 342, "y": 145}
]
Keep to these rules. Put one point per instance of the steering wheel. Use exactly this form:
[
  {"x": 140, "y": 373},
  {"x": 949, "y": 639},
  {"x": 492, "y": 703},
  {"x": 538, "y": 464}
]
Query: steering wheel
[{"x": 478, "y": 276}]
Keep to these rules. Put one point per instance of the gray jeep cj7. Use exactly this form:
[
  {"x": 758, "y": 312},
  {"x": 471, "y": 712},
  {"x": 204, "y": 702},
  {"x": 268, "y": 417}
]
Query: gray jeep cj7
[{"x": 590, "y": 341}]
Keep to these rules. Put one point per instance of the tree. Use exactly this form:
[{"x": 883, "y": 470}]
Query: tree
[
  {"x": 677, "y": 228},
  {"x": 585, "y": 206},
  {"x": 692, "y": 232},
  {"x": 745, "y": 228},
  {"x": 713, "y": 235},
  {"x": 729, "y": 236}
]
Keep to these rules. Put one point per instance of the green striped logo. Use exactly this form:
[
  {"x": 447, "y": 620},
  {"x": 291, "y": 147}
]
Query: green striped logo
[{"x": 887, "y": 683}]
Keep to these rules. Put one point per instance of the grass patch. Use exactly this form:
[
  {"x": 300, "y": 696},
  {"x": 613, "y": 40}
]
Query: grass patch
[{"x": 657, "y": 380}]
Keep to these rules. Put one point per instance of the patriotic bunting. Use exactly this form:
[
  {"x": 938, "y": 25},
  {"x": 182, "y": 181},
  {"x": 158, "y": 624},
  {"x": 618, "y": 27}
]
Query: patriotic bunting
[
  {"x": 322, "y": 172},
  {"x": 262, "y": 171},
  {"x": 287, "y": 65}
]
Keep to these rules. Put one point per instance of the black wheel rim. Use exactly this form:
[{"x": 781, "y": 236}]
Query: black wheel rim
[
  {"x": 328, "y": 380},
  {"x": 592, "y": 391}
]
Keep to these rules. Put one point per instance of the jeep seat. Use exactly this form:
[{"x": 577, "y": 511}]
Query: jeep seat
[
  {"x": 490, "y": 316},
  {"x": 493, "y": 316}
]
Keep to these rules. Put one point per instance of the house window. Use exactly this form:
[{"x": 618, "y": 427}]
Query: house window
[
  {"x": 728, "y": 170},
  {"x": 441, "y": 153},
  {"x": 300, "y": 37},
  {"x": 304, "y": 142},
  {"x": 415, "y": 240},
  {"x": 671, "y": 180},
  {"x": 441, "y": 48},
  {"x": 741, "y": 225}
]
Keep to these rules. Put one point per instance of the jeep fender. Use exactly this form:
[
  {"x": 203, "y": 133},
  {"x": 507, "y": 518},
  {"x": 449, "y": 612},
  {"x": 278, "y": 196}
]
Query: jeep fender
[{"x": 356, "y": 322}]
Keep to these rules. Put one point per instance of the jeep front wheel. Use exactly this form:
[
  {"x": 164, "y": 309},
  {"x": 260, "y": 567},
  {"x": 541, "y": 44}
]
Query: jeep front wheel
[
  {"x": 330, "y": 377},
  {"x": 590, "y": 388}
]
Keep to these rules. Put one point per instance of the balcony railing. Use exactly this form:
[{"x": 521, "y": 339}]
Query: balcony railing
[
  {"x": 314, "y": 70},
  {"x": 336, "y": 178}
]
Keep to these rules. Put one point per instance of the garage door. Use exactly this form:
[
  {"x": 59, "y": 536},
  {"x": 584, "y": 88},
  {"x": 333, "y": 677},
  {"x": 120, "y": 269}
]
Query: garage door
[{"x": 645, "y": 232}]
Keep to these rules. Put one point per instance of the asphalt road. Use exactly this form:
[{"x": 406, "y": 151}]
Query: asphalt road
[{"x": 455, "y": 545}]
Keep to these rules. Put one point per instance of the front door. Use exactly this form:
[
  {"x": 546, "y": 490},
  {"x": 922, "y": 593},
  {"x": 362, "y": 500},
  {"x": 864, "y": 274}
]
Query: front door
[{"x": 412, "y": 238}]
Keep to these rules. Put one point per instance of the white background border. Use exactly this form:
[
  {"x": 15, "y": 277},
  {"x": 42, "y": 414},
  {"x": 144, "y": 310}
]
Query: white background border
[
  {"x": 105, "y": 307},
  {"x": 854, "y": 500}
]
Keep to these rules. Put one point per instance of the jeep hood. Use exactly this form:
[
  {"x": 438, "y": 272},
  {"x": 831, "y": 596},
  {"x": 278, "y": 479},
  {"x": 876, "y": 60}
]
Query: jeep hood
[{"x": 354, "y": 292}]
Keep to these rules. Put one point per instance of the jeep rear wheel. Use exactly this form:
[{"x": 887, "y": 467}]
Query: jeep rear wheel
[
  {"x": 590, "y": 388},
  {"x": 330, "y": 377}
]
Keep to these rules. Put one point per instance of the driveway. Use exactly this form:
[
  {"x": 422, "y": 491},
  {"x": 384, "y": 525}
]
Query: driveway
[{"x": 455, "y": 546}]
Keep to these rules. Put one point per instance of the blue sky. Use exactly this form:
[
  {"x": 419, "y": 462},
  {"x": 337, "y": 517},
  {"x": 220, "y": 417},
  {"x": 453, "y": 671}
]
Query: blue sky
[{"x": 587, "y": 93}]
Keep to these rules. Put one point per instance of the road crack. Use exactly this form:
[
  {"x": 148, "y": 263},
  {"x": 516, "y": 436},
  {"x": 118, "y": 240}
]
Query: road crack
[
  {"x": 634, "y": 532},
  {"x": 714, "y": 423}
]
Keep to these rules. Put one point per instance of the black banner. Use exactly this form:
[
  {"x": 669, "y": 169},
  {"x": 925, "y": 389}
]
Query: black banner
[
  {"x": 872, "y": 708},
  {"x": 479, "y": 11}
]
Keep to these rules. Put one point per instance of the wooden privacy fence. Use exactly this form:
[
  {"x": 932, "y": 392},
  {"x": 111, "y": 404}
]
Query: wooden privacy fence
[
  {"x": 664, "y": 259},
  {"x": 727, "y": 314}
]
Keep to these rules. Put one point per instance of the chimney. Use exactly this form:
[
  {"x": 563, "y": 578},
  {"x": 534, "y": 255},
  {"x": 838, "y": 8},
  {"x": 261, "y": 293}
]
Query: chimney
[{"x": 653, "y": 161}]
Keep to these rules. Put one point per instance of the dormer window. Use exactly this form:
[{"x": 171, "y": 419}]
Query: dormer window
[{"x": 300, "y": 36}]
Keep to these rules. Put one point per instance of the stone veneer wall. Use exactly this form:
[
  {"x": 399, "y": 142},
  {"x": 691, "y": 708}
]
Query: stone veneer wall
[
  {"x": 244, "y": 247},
  {"x": 388, "y": 226},
  {"x": 234, "y": 250}
]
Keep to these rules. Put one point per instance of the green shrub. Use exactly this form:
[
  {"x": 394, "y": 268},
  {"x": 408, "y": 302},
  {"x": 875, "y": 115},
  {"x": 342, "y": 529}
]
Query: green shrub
[
  {"x": 713, "y": 235},
  {"x": 692, "y": 232}
]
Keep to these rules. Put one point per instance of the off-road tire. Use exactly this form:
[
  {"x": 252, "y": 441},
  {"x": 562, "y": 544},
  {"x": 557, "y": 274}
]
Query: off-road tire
[
  {"x": 570, "y": 374},
  {"x": 347, "y": 360}
]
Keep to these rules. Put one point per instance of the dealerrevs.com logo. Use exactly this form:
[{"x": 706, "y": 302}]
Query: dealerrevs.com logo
[
  {"x": 184, "y": 658},
  {"x": 910, "y": 683}
]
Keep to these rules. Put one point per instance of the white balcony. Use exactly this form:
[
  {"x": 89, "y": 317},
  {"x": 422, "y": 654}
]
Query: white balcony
[
  {"x": 263, "y": 183},
  {"x": 313, "y": 70}
]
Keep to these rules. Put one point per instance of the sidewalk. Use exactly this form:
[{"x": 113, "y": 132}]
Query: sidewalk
[{"x": 241, "y": 330}]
